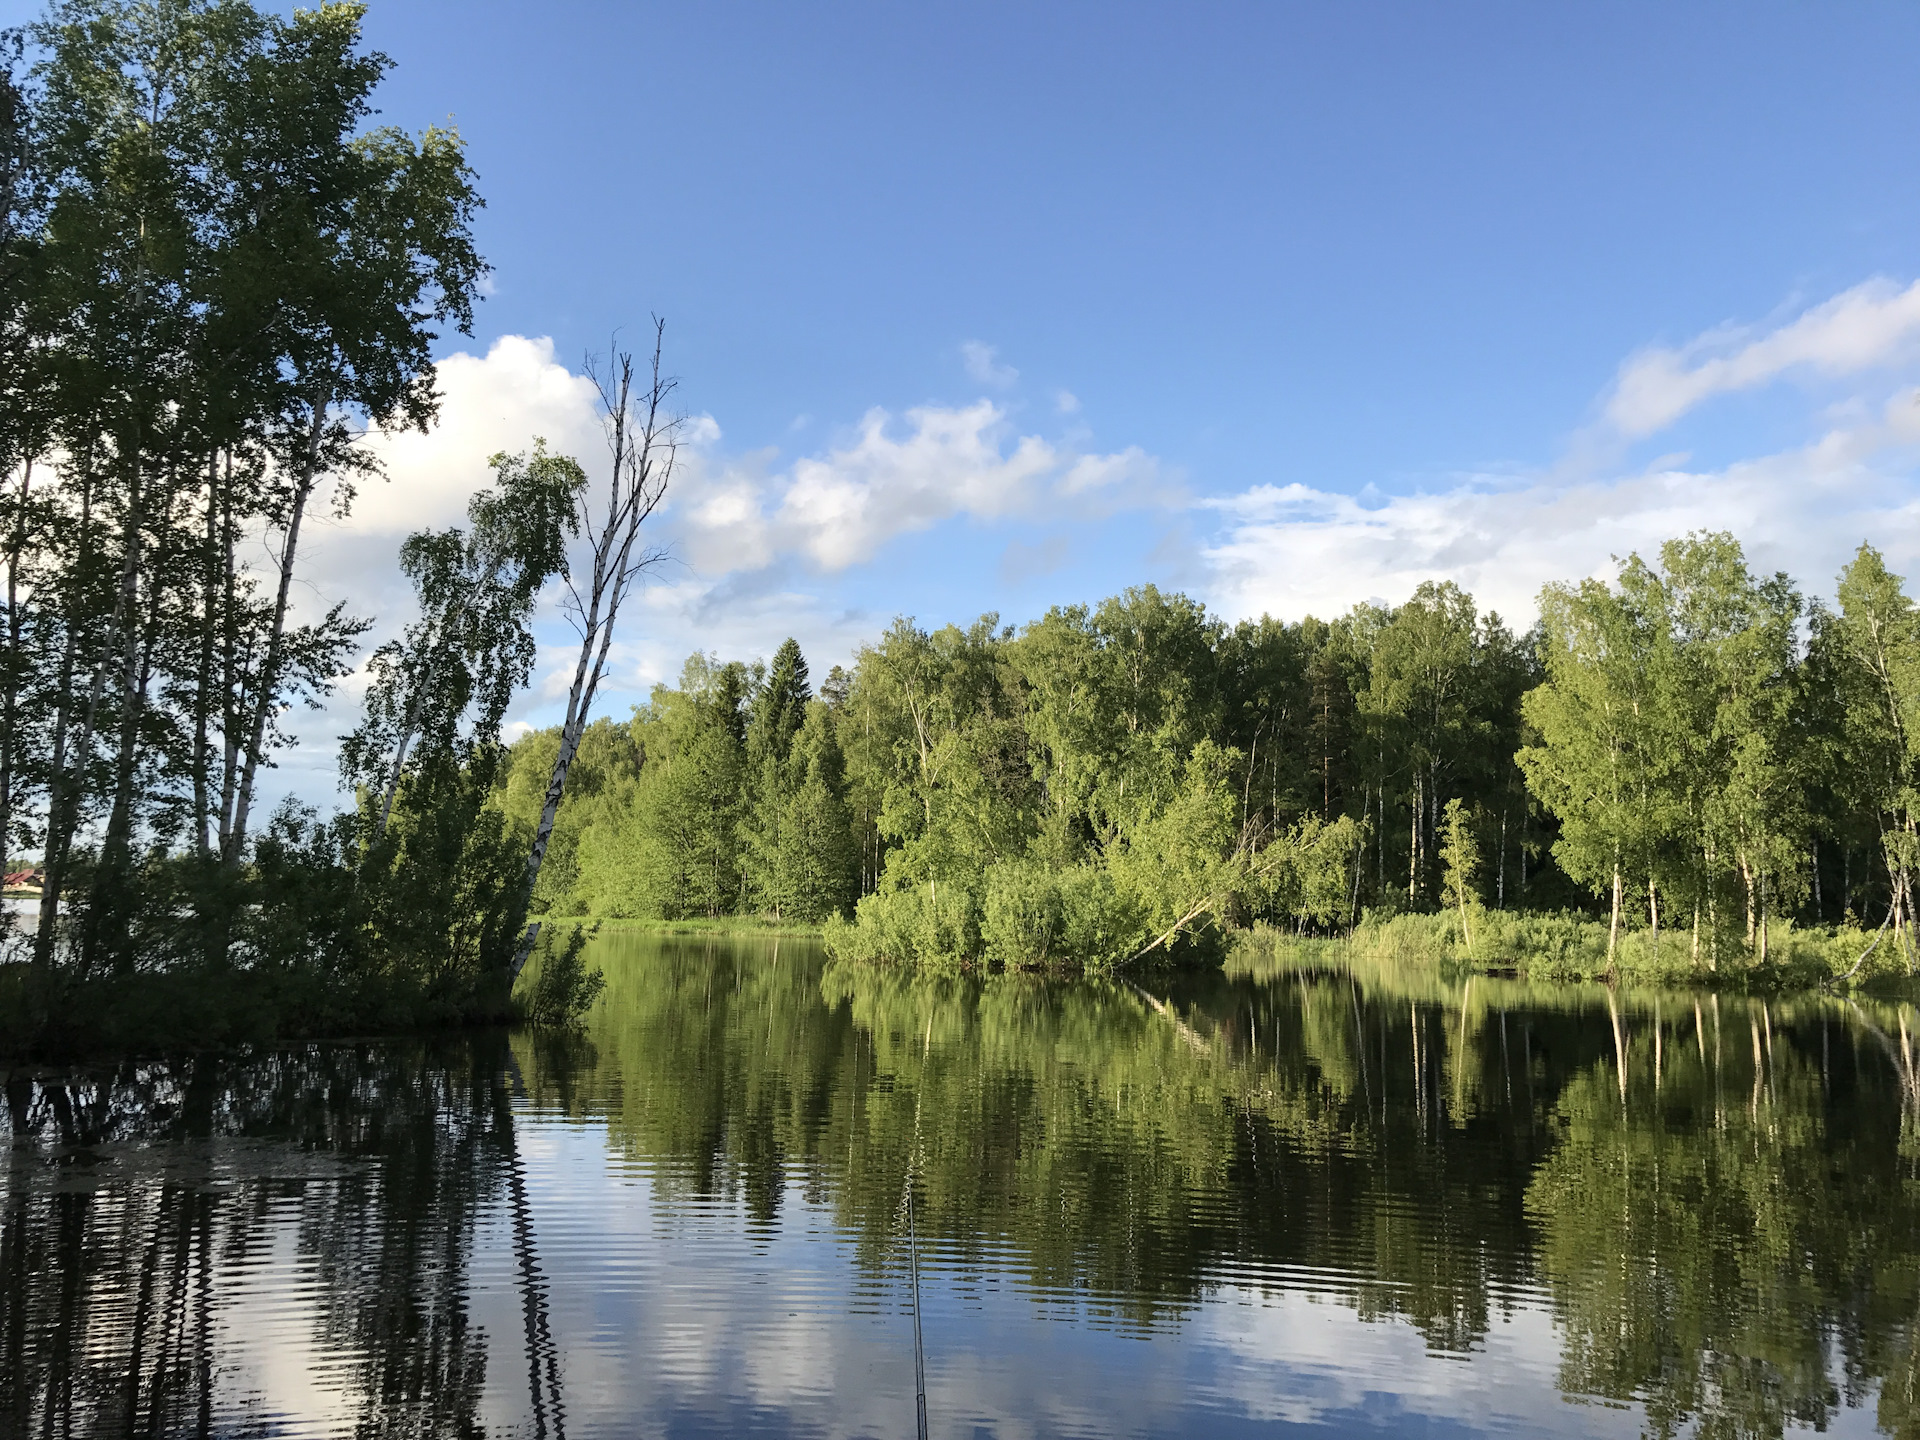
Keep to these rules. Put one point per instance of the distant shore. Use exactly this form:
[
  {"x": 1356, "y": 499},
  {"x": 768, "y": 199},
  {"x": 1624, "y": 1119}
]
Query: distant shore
[{"x": 733, "y": 925}]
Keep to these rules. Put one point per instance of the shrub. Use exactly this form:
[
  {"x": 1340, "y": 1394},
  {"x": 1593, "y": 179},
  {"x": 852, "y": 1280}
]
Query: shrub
[
  {"x": 1099, "y": 926},
  {"x": 931, "y": 924},
  {"x": 1021, "y": 921}
]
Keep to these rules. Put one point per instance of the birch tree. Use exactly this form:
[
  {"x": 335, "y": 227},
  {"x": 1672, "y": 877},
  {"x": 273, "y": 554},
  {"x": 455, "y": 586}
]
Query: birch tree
[
  {"x": 642, "y": 433},
  {"x": 1594, "y": 716},
  {"x": 231, "y": 276},
  {"x": 1872, "y": 646},
  {"x": 442, "y": 689}
]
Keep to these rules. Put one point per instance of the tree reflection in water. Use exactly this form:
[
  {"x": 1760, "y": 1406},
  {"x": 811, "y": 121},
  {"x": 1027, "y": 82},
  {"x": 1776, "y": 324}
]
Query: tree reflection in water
[
  {"x": 1717, "y": 1201},
  {"x": 139, "y": 1200}
]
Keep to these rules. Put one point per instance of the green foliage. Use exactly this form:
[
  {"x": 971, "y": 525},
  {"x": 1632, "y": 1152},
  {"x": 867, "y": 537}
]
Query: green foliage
[
  {"x": 1308, "y": 873},
  {"x": 1460, "y": 863},
  {"x": 1567, "y": 946},
  {"x": 216, "y": 272},
  {"x": 215, "y": 276},
  {"x": 1021, "y": 924},
  {"x": 1037, "y": 915},
  {"x": 800, "y": 847},
  {"x": 1672, "y": 743},
  {"x": 559, "y": 988}
]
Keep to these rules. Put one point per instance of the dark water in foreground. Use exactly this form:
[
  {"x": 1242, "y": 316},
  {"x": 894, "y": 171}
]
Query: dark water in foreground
[{"x": 1293, "y": 1199}]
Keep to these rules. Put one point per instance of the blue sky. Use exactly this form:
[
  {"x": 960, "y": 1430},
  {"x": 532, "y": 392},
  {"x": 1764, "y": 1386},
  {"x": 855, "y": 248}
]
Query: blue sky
[{"x": 997, "y": 306}]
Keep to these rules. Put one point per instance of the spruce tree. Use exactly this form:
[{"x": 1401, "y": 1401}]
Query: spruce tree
[
  {"x": 779, "y": 706},
  {"x": 774, "y": 718},
  {"x": 811, "y": 870}
]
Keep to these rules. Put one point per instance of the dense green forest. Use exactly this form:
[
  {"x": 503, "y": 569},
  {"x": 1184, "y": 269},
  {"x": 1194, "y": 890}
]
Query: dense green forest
[
  {"x": 1693, "y": 753},
  {"x": 217, "y": 275}
]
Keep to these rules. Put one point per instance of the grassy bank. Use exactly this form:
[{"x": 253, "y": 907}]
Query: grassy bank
[
  {"x": 734, "y": 925},
  {"x": 1568, "y": 947}
]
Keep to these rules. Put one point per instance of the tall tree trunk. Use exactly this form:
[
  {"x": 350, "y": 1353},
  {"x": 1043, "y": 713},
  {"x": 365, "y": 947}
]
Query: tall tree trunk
[
  {"x": 268, "y": 685},
  {"x": 1613, "y": 928},
  {"x": 63, "y": 818},
  {"x": 1500, "y": 889},
  {"x": 1413, "y": 843},
  {"x": 15, "y": 667},
  {"x": 203, "y": 673},
  {"x": 644, "y": 449},
  {"x": 1746, "y": 877},
  {"x": 232, "y": 677},
  {"x": 1653, "y": 912},
  {"x": 1713, "y": 914},
  {"x": 63, "y": 704},
  {"x": 586, "y": 680},
  {"x": 109, "y": 915},
  {"x": 116, "y": 852}
]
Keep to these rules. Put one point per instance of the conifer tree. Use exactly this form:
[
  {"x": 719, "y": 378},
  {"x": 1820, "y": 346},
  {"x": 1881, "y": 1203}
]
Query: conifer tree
[{"x": 809, "y": 872}]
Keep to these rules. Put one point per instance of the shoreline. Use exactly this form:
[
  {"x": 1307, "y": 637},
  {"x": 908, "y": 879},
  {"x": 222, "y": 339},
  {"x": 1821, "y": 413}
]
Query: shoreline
[{"x": 731, "y": 926}]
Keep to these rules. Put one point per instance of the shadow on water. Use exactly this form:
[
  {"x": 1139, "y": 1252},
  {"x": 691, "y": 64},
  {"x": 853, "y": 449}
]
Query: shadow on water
[{"x": 1708, "y": 1209}]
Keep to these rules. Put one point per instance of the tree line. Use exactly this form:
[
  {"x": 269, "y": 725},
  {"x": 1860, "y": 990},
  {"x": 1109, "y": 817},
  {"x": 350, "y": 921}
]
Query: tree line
[{"x": 1692, "y": 745}]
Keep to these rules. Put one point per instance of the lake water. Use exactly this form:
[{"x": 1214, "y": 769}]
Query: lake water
[{"x": 1277, "y": 1199}]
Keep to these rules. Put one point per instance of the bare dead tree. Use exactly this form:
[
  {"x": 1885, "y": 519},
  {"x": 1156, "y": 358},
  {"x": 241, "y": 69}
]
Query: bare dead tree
[{"x": 643, "y": 438}]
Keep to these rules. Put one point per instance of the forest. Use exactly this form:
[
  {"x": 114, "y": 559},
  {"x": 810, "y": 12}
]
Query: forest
[
  {"x": 1694, "y": 756},
  {"x": 218, "y": 277}
]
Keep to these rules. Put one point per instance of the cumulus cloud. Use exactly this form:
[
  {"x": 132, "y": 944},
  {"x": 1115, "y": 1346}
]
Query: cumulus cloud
[
  {"x": 983, "y": 366},
  {"x": 841, "y": 508},
  {"x": 1288, "y": 549},
  {"x": 761, "y": 539},
  {"x": 1869, "y": 325},
  {"x": 489, "y": 403},
  {"x": 728, "y": 515}
]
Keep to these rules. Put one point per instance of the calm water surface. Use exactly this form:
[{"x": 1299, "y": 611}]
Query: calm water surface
[{"x": 1272, "y": 1200}]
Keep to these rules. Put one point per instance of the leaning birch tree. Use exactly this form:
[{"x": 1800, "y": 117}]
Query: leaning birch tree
[{"x": 643, "y": 442}]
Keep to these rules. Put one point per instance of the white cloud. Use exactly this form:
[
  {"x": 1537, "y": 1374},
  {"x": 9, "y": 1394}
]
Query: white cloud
[
  {"x": 983, "y": 367},
  {"x": 735, "y": 523},
  {"x": 499, "y": 401},
  {"x": 839, "y": 509},
  {"x": 1292, "y": 549},
  {"x": 1067, "y": 403},
  {"x": 1869, "y": 325},
  {"x": 759, "y": 538}
]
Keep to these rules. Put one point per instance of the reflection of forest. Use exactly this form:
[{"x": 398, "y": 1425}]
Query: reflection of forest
[
  {"x": 1718, "y": 1199},
  {"x": 1718, "y": 1196},
  {"x": 120, "y": 1257}
]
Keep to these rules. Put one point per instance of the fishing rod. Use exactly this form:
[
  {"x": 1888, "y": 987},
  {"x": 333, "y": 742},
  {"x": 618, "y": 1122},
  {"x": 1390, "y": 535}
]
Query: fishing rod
[{"x": 919, "y": 1355}]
